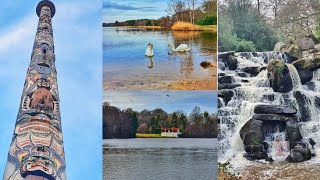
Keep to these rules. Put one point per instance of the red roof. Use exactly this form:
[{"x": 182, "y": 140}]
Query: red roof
[{"x": 170, "y": 129}]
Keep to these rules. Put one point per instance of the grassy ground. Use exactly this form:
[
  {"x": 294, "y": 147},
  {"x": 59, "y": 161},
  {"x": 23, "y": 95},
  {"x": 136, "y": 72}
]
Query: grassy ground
[
  {"x": 140, "y": 135},
  {"x": 208, "y": 28}
]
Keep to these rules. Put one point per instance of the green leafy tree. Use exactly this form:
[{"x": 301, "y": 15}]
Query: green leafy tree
[
  {"x": 174, "y": 120},
  {"x": 134, "y": 123}
]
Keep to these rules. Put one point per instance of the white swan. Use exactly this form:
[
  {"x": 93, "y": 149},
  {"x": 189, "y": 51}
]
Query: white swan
[
  {"x": 149, "y": 51},
  {"x": 180, "y": 48}
]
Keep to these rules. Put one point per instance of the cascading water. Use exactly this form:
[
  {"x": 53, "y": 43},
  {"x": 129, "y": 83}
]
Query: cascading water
[
  {"x": 279, "y": 146},
  {"x": 253, "y": 90}
]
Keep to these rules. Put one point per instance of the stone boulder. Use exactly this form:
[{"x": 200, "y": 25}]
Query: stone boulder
[
  {"x": 225, "y": 55},
  {"x": 294, "y": 52},
  {"x": 253, "y": 71},
  {"x": 317, "y": 47},
  {"x": 279, "y": 76},
  {"x": 279, "y": 47},
  {"x": 274, "y": 109},
  {"x": 300, "y": 153},
  {"x": 251, "y": 134},
  {"x": 293, "y": 133},
  {"x": 206, "y": 64},
  {"x": 228, "y": 86},
  {"x": 226, "y": 79},
  {"x": 303, "y": 100},
  {"x": 232, "y": 62},
  {"x": 306, "y": 43},
  {"x": 226, "y": 95},
  {"x": 304, "y": 64},
  {"x": 274, "y": 117}
]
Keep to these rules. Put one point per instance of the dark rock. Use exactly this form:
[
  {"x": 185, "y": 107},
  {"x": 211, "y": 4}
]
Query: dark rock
[
  {"x": 306, "y": 43},
  {"x": 221, "y": 65},
  {"x": 226, "y": 79},
  {"x": 226, "y": 95},
  {"x": 302, "y": 101},
  {"x": 253, "y": 129},
  {"x": 254, "y": 148},
  {"x": 244, "y": 80},
  {"x": 206, "y": 64},
  {"x": 242, "y": 74},
  {"x": 300, "y": 153},
  {"x": 279, "y": 76},
  {"x": 293, "y": 134},
  {"x": 220, "y": 102},
  {"x": 268, "y": 97},
  {"x": 232, "y": 62},
  {"x": 312, "y": 143},
  {"x": 274, "y": 109},
  {"x": 228, "y": 86},
  {"x": 221, "y": 74},
  {"x": 311, "y": 86},
  {"x": 317, "y": 102},
  {"x": 253, "y": 71},
  {"x": 256, "y": 156},
  {"x": 305, "y": 76},
  {"x": 226, "y": 55},
  {"x": 274, "y": 117}
]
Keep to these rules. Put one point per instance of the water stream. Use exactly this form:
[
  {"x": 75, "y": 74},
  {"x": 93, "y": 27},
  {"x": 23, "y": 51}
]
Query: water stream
[{"x": 256, "y": 90}]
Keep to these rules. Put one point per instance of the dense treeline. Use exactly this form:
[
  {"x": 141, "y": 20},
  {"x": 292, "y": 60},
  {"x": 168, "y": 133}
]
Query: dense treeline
[
  {"x": 255, "y": 25},
  {"x": 194, "y": 11},
  {"x": 119, "y": 123}
]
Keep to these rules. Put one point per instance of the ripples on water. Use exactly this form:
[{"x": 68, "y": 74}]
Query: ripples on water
[
  {"x": 152, "y": 159},
  {"x": 125, "y": 64}
]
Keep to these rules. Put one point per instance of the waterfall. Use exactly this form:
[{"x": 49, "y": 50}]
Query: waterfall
[
  {"x": 295, "y": 78},
  {"x": 279, "y": 147},
  {"x": 255, "y": 90}
]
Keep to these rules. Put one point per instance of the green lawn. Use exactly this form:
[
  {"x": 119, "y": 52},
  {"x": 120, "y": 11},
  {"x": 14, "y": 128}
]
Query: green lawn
[{"x": 208, "y": 28}]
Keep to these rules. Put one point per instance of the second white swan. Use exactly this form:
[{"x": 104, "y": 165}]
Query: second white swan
[{"x": 180, "y": 48}]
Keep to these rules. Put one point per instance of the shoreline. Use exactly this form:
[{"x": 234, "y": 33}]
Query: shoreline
[
  {"x": 211, "y": 28},
  {"x": 207, "y": 83}
]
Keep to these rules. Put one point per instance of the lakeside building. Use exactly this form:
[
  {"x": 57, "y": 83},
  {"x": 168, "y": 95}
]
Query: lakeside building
[{"x": 170, "y": 132}]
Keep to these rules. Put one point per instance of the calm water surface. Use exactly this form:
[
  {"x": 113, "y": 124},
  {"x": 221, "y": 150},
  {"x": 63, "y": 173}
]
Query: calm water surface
[
  {"x": 127, "y": 67},
  {"x": 152, "y": 159}
]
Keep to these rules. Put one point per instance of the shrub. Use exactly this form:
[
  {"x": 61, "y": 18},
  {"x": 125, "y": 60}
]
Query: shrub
[
  {"x": 208, "y": 20},
  {"x": 184, "y": 26}
]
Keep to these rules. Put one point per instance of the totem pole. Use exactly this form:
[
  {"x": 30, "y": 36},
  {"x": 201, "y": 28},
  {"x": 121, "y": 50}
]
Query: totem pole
[{"x": 36, "y": 151}]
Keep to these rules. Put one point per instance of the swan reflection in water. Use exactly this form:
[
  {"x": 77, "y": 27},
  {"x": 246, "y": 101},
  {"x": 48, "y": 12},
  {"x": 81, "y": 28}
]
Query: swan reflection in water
[{"x": 151, "y": 62}]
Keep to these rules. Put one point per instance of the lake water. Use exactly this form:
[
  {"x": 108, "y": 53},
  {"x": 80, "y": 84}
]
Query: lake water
[
  {"x": 127, "y": 67},
  {"x": 136, "y": 159}
]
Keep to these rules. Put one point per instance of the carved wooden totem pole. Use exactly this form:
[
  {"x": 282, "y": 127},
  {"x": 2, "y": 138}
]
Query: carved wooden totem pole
[{"x": 36, "y": 151}]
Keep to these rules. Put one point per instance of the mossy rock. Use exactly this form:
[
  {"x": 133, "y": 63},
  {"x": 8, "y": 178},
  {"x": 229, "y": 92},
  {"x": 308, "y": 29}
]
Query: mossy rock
[
  {"x": 304, "y": 64},
  {"x": 279, "y": 77},
  {"x": 294, "y": 51}
]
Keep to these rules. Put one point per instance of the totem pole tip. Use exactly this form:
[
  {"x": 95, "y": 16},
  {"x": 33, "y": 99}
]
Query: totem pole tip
[{"x": 46, "y": 3}]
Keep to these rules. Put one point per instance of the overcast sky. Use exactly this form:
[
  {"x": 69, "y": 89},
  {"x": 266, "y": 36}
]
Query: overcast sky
[
  {"x": 77, "y": 36},
  {"x": 169, "y": 101},
  {"x": 114, "y": 10}
]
